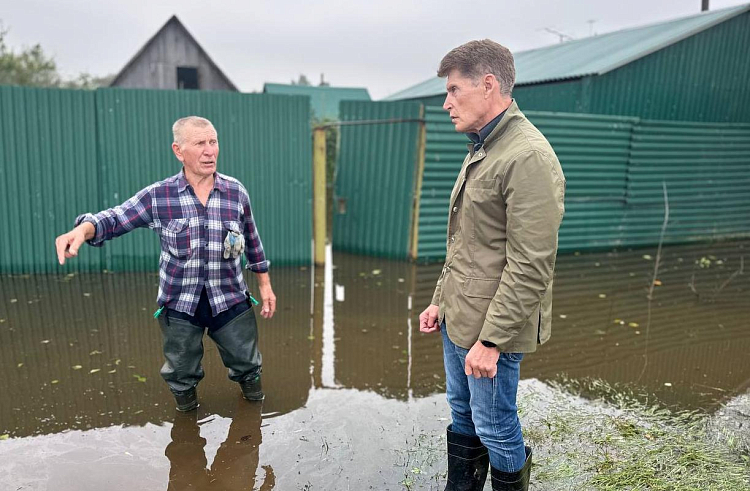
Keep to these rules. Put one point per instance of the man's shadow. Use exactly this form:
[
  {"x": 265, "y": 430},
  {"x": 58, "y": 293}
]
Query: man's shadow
[{"x": 236, "y": 461}]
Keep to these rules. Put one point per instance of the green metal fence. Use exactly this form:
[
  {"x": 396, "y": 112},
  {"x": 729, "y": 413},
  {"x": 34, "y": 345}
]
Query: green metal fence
[
  {"x": 375, "y": 178},
  {"x": 594, "y": 152},
  {"x": 706, "y": 168},
  {"x": 68, "y": 152},
  {"x": 47, "y": 174},
  {"x": 614, "y": 166}
]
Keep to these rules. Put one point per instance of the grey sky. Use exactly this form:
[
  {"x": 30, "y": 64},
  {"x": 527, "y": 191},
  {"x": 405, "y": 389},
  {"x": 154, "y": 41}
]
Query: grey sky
[{"x": 384, "y": 46}]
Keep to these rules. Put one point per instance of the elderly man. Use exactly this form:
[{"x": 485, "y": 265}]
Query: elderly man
[
  {"x": 493, "y": 300},
  {"x": 205, "y": 224}
]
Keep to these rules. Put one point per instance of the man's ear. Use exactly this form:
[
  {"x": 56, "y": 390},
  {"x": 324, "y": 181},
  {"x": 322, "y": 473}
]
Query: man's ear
[
  {"x": 489, "y": 83},
  {"x": 177, "y": 152}
]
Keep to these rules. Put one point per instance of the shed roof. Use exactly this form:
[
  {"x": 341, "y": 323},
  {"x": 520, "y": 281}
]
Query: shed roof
[
  {"x": 324, "y": 100},
  {"x": 595, "y": 55},
  {"x": 172, "y": 20}
]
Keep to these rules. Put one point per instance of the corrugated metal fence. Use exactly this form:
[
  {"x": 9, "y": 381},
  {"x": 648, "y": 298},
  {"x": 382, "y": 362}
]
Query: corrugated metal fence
[
  {"x": 614, "y": 167},
  {"x": 444, "y": 151},
  {"x": 707, "y": 171},
  {"x": 594, "y": 152},
  {"x": 66, "y": 152},
  {"x": 375, "y": 178},
  {"x": 47, "y": 174}
]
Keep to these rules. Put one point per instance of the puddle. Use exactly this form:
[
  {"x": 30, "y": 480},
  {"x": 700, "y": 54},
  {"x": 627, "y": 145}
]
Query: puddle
[{"x": 351, "y": 384}]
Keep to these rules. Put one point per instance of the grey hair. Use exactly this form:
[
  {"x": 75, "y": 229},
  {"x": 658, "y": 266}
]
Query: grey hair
[
  {"x": 178, "y": 126},
  {"x": 478, "y": 58}
]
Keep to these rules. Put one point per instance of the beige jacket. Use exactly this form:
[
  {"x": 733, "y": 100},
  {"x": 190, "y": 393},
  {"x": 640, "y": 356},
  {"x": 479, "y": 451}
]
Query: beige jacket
[{"x": 505, "y": 211}]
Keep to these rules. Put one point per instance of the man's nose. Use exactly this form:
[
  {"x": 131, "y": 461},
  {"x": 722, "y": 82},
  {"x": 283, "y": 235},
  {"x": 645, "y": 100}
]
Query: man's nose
[{"x": 446, "y": 104}]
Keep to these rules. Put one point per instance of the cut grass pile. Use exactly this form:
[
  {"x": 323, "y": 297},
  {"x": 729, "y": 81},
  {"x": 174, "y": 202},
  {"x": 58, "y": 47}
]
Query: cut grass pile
[{"x": 613, "y": 443}]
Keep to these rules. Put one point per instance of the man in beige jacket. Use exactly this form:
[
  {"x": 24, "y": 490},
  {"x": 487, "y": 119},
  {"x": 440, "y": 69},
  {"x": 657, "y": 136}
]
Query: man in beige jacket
[{"x": 493, "y": 300}]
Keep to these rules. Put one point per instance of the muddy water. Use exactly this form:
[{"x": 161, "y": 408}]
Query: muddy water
[{"x": 349, "y": 379}]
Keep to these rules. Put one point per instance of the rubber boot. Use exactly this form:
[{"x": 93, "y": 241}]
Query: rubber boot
[
  {"x": 252, "y": 389},
  {"x": 513, "y": 481},
  {"x": 468, "y": 461},
  {"x": 187, "y": 400}
]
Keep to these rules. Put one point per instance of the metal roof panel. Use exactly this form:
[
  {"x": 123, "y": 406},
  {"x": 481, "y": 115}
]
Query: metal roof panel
[{"x": 594, "y": 55}]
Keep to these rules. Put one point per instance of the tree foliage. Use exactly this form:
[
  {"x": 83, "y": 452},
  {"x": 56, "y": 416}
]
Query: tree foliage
[{"x": 31, "y": 67}]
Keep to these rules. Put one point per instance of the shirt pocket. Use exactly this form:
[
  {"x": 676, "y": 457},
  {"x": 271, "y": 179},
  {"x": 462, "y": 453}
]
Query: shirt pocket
[
  {"x": 176, "y": 235},
  {"x": 231, "y": 226}
]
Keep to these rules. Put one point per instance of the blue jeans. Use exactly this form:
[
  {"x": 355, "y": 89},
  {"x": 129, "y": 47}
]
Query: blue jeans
[{"x": 486, "y": 407}]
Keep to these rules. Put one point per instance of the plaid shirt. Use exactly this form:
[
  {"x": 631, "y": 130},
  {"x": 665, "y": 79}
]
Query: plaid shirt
[{"x": 192, "y": 239}]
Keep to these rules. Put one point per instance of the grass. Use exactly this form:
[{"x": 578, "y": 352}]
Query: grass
[
  {"x": 419, "y": 460},
  {"x": 615, "y": 443},
  {"x": 630, "y": 446}
]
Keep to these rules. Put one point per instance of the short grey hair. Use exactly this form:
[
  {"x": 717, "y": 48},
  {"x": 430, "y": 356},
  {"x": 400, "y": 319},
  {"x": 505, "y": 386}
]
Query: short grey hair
[
  {"x": 478, "y": 58},
  {"x": 180, "y": 124}
]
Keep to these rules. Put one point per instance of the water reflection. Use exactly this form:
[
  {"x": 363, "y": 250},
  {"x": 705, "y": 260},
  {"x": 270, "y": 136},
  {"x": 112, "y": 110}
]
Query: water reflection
[
  {"x": 236, "y": 462},
  {"x": 83, "y": 351},
  {"x": 691, "y": 354},
  {"x": 378, "y": 344}
]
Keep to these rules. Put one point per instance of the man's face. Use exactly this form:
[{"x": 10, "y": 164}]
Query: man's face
[
  {"x": 466, "y": 102},
  {"x": 199, "y": 150}
]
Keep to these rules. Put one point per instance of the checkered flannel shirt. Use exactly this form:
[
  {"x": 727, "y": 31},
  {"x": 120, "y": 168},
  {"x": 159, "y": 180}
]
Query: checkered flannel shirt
[{"x": 192, "y": 239}]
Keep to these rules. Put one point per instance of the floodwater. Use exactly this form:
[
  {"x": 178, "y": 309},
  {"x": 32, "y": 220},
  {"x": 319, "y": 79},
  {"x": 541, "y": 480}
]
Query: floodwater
[{"x": 351, "y": 385}]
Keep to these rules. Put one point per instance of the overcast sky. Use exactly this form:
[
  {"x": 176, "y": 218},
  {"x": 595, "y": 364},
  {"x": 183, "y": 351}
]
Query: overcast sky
[{"x": 384, "y": 46}]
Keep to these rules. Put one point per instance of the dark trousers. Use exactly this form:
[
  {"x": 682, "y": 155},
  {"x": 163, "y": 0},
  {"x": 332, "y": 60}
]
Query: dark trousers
[{"x": 234, "y": 331}]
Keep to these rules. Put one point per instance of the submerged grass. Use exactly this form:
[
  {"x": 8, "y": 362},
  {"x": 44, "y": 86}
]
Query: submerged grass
[
  {"x": 627, "y": 445},
  {"x": 618, "y": 445}
]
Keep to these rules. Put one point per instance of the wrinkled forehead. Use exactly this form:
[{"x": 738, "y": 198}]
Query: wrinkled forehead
[{"x": 191, "y": 132}]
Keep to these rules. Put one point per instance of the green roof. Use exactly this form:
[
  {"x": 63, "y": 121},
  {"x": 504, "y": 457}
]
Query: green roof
[
  {"x": 594, "y": 55},
  {"x": 324, "y": 100}
]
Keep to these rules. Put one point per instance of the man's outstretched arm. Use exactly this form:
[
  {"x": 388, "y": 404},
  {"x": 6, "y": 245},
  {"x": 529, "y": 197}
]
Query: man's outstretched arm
[
  {"x": 67, "y": 244},
  {"x": 105, "y": 225}
]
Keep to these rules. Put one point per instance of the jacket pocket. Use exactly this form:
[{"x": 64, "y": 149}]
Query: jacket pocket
[
  {"x": 480, "y": 183},
  {"x": 176, "y": 235},
  {"x": 481, "y": 287}
]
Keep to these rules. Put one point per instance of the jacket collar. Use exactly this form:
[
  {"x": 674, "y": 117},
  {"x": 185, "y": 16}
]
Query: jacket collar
[
  {"x": 478, "y": 138},
  {"x": 511, "y": 113}
]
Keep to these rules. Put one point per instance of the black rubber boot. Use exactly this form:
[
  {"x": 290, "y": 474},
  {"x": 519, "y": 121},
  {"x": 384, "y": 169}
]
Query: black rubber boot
[
  {"x": 513, "y": 481},
  {"x": 187, "y": 400},
  {"x": 468, "y": 461},
  {"x": 252, "y": 390}
]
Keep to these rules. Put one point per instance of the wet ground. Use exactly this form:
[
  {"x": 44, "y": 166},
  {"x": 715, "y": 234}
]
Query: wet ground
[{"x": 352, "y": 386}]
